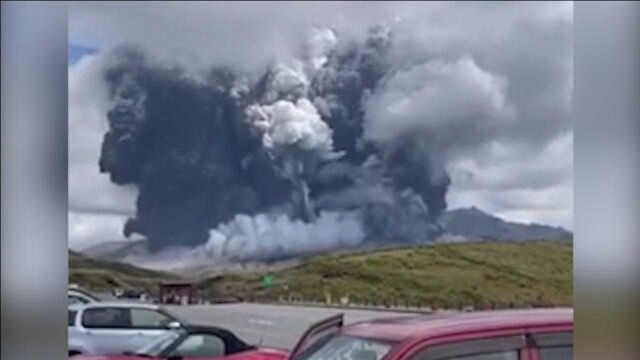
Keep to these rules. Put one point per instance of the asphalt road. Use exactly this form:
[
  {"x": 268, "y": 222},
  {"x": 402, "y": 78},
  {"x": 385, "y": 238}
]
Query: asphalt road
[{"x": 277, "y": 326}]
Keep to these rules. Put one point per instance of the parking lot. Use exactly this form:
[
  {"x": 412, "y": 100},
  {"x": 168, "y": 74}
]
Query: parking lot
[{"x": 269, "y": 325}]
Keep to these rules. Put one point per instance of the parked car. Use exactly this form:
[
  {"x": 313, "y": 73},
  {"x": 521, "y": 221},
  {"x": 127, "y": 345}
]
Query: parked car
[
  {"x": 80, "y": 296},
  {"x": 132, "y": 294},
  {"x": 201, "y": 342},
  {"x": 112, "y": 328},
  {"x": 493, "y": 335}
]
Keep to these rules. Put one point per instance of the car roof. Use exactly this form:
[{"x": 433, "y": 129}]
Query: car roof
[
  {"x": 115, "y": 304},
  {"x": 82, "y": 292},
  {"x": 426, "y": 326},
  {"x": 205, "y": 328}
]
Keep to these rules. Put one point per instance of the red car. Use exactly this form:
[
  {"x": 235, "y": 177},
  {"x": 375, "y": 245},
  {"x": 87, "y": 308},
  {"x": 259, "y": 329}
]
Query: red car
[{"x": 545, "y": 334}]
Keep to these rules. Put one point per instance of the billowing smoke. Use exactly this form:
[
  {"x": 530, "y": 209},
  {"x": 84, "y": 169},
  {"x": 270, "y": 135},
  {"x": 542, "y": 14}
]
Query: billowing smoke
[
  {"x": 342, "y": 146},
  {"x": 276, "y": 236},
  {"x": 184, "y": 143},
  {"x": 296, "y": 140}
]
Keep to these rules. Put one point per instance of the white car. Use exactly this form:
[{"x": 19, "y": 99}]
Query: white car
[{"x": 101, "y": 328}]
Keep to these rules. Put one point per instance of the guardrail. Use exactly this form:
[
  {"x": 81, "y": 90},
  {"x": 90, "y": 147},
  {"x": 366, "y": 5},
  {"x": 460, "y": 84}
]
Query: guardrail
[{"x": 398, "y": 309}]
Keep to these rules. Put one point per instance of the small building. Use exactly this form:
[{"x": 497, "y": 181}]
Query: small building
[{"x": 176, "y": 292}]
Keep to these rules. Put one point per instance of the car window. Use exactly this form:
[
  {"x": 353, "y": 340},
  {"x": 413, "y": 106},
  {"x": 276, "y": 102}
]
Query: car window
[
  {"x": 200, "y": 345},
  {"x": 554, "y": 346},
  {"x": 345, "y": 348},
  {"x": 317, "y": 335},
  {"x": 72, "y": 317},
  {"x": 155, "y": 348},
  {"x": 147, "y": 318},
  {"x": 557, "y": 353},
  {"x": 110, "y": 318},
  {"x": 505, "y": 348},
  {"x": 503, "y": 355}
]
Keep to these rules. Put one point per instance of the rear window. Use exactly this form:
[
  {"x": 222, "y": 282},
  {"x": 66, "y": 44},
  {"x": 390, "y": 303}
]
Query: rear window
[
  {"x": 155, "y": 348},
  {"x": 346, "y": 348},
  {"x": 554, "y": 346},
  {"x": 557, "y": 353},
  {"x": 72, "y": 317},
  {"x": 200, "y": 345},
  {"x": 501, "y": 348},
  {"x": 111, "y": 318}
]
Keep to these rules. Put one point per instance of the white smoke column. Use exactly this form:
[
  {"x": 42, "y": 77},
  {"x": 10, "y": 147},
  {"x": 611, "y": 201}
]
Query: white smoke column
[
  {"x": 320, "y": 43},
  {"x": 287, "y": 82},
  {"x": 275, "y": 236},
  {"x": 294, "y": 135},
  {"x": 286, "y": 124},
  {"x": 259, "y": 238}
]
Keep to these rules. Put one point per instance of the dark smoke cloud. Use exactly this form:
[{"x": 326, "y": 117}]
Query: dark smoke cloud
[
  {"x": 202, "y": 150},
  {"x": 185, "y": 146}
]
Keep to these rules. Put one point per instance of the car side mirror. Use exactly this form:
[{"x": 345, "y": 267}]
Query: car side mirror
[{"x": 173, "y": 325}]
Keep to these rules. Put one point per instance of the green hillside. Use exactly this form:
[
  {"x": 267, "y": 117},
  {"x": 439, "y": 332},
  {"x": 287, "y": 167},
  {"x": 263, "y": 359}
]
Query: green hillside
[
  {"x": 488, "y": 274},
  {"x": 101, "y": 275}
]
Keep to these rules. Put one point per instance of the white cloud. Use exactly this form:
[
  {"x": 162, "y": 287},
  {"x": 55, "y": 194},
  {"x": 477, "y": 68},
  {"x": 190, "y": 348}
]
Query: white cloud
[
  {"x": 439, "y": 100},
  {"x": 198, "y": 34},
  {"x": 519, "y": 184},
  {"x": 86, "y": 229},
  {"x": 89, "y": 190},
  {"x": 88, "y": 106}
]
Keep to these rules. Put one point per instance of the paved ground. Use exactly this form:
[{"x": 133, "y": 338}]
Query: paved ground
[{"x": 271, "y": 325}]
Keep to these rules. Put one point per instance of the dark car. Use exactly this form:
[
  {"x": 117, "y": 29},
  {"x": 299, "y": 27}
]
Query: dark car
[
  {"x": 194, "y": 342},
  {"x": 130, "y": 294},
  {"x": 544, "y": 334}
]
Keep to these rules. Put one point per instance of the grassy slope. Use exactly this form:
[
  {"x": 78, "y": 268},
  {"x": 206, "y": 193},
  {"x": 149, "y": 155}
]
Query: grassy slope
[
  {"x": 103, "y": 275},
  {"x": 444, "y": 276}
]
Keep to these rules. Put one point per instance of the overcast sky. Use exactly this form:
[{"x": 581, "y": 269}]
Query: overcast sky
[{"x": 513, "y": 60}]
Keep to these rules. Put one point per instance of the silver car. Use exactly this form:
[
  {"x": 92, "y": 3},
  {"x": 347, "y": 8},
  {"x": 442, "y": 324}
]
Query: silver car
[{"x": 113, "y": 328}]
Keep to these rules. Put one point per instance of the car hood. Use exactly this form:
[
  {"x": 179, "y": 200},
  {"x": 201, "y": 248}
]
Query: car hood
[
  {"x": 109, "y": 357},
  {"x": 259, "y": 354}
]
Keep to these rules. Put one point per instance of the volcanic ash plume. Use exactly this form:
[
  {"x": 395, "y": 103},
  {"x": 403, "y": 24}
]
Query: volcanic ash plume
[
  {"x": 296, "y": 139},
  {"x": 274, "y": 166},
  {"x": 276, "y": 236}
]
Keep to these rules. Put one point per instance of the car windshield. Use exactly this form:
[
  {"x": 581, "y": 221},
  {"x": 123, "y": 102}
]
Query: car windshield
[
  {"x": 346, "y": 348},
  {"x": 155, "y": 348}
]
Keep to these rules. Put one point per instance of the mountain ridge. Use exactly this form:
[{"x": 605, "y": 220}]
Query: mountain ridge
[{"x": 473, "y": 223}]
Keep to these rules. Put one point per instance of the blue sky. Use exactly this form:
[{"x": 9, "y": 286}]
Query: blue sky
[{"x": 76, "y": 52}]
